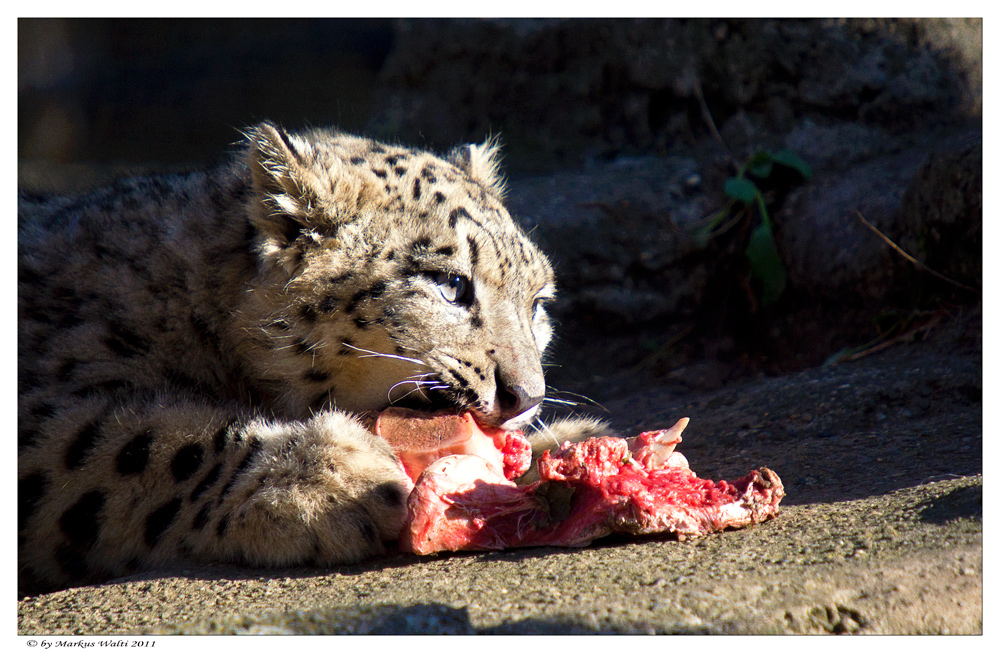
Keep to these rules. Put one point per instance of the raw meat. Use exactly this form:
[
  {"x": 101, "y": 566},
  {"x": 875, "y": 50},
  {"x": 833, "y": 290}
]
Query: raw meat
[
  {"x": 421, "y": 438},
  {"x": 587, "y": 490}
]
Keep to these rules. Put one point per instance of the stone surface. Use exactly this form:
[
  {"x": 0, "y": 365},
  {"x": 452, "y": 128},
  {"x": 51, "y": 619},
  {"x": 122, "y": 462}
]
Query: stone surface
[
  {"x": 633, "y": 84},
  {"x": 881, "y": 532}
]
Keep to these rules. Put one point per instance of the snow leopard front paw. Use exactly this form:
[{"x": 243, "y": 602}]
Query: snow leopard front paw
[{"x": 324, "y": 491}]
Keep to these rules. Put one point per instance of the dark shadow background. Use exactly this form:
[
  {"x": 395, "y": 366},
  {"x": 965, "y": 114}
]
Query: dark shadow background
[{"x": 177, "y": 91}]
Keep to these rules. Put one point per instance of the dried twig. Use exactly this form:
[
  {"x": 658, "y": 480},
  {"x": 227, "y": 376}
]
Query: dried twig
[
  {"x": 662, "y": 350},
  {"x": 909, "y": 258},
  {"x": 706, "y": 115},
  {"x": 885, "y": 341}
]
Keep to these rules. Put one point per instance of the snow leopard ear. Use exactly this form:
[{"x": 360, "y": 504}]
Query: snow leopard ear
[
  {"x": 296, "y": 192},
  {"x": 482, "y": 163},
  {"x": 296, "y": 186},
  {"x": 284, "y": 197}
]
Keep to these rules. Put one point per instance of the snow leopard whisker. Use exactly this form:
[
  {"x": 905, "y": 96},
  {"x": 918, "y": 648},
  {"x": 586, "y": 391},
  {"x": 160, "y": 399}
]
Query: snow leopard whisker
[
  {"x": 377, "y": 354},
  {"x": 391, "y": 400},
  {"x": 585, "y": 398},
  {"x": 553, "y": 400},
  {"x": 418, "y": 381},
  {"x": 415, "y": 382},
  {"x": 545, "y": 429}
]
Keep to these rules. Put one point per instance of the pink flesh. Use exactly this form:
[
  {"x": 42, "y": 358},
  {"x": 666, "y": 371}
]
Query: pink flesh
[
  {"x": 587, "y": 490},
  {"x": 419, "y": 439}
]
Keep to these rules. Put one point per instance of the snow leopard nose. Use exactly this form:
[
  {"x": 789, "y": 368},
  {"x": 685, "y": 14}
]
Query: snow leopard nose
[{"x": 515, "y": 398}]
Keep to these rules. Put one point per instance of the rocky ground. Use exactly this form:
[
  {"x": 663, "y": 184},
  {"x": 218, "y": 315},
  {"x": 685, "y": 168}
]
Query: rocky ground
[{"x": 881, "y": 531}]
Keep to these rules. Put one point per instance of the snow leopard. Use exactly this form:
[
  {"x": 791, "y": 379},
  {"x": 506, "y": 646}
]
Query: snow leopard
[{"x": 197, "y": 352}]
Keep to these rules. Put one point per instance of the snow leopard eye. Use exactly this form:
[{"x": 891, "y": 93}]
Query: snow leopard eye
[
  {"x": 455, "y": 288},
  {"x": 539, "y": 305}
]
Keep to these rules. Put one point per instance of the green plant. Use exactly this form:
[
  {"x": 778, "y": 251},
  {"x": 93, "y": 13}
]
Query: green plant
[{"x": 745, "y": 199}]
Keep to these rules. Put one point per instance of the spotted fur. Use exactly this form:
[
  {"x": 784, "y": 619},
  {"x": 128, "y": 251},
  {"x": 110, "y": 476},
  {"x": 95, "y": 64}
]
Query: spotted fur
[{"x": 195, "y": 350}]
